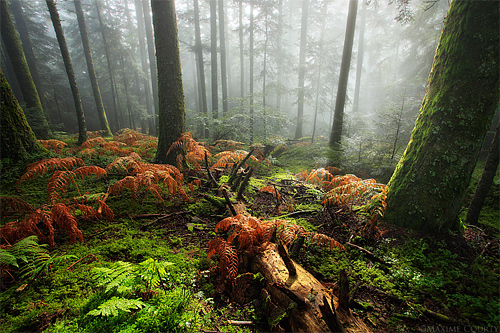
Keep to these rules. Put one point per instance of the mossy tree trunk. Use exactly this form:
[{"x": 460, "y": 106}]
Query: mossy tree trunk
[
  {"x": 153, "y": 124},
  {"x": 90, "y": 66},
  {"x": 427, "y": 188},
  {"x": 56, "y": 22},
  {"x": 34, "y": 109},
  {"x": 17, "y": 140},
  {"x": 171, "y": 111}
]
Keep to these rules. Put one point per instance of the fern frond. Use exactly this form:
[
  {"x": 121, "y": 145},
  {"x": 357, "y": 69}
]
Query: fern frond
[
  {"x": 153, "y": 271},
  {"x": 112, "y": 307},
  {"x": 93, "y": 142},
  {"x": 120, "y": 276},
  {"x": 13, "y": 205},
  {"x": 229, "y": 158},
  {"x": 49, "y": 165},
  {"x": 228, "y": 144},
  {"x": 320, "y": 239},
  {"x": 54, "y": 145},
  {"x": 190, "y": 151},
  {"x": 67, "y": 222}
]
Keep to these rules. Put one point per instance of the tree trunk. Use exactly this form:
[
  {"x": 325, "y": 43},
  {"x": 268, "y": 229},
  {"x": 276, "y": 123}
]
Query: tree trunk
[
  {"x": 252, "y": 120},
  {"x": 172, "y": 117},
  {"x": 152, "y": 66},
  {"x": 279, "y": 65},
  {"x": 125, "y": 86},
  {"x": 17, "y": 140},
  {"x": 200, "y": 68},
  {"x": 90, "y": 66},
  {"x": 213, "y": 58},
  {"x": 320, "y": 65},
  {"x": 483, "y": 187},
  {"x": 338, "y": 117},
  {"x": 264, "y": 73},
  {"x": 427, "y": 189},
  {"x": 82, "y": 125},
  {"x": 359, "y": 63},
  {"x": 223, "y": 58},
  {"x": 242, "y": 53},
  {"x": 144, "y": 63},
  {"x": 22, "y": 28},
  {"x": 110, "y": 70},
  {"x": 34, "y": 110},
  {"x": 302, "y": 69}
]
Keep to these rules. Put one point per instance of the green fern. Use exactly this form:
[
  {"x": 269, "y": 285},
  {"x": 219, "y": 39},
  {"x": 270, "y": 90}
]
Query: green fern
[
  {"x": 113, "y": 307},
  {"x": 153, "y": 271},
  {"x": 120, "y": 275}
]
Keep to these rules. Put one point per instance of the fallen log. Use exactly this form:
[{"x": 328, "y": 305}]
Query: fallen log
[{"x": 303, "y": 309}]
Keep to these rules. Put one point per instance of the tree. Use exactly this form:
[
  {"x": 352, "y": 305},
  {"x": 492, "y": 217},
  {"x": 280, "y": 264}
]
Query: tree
[
  {"x": 360, "y": 56},
  {"x": 22, "y": 28},
  {"x": 338, "y": 116},
  {"x": 427, "y": 188},
  {"x": 200, "y": 68},
  {"x": 223, "y": 65},
  {"x": 90, "y": 66},
  {"x": 242, "y": 52},
  {"x": 56, "y": 22},
  {"x": 171, "y": 112},
  {"x": 152, "y": 64},
  {"x": 302, "y": 69},
  {"x": 144, "y": 62},
  {"x": 213, "y": 58},
  {"x": 490, "y": 169},
  {"x": 110, "y": 70},
  {"x": 34, "y": 109},
  {"x": 17, "y": 140},
  {"x": 252, "y": 116}
]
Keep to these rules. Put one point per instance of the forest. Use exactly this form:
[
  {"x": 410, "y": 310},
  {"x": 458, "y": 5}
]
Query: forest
[{"x": 249, "y": 166}]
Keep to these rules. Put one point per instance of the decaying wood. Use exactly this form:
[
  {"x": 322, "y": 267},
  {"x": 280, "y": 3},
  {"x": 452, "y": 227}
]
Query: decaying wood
[
  {"x": 244, "y": 184},
  {"x": 229, "y": 203},
  {"x": 330, "y": 317},
  {"x": 209, "y": 173},
  {"x": 307, "y": 317},
  {"x": 369, "y": 254},
  {"x": 344, "y": 290},
  {"x": 238, "y": 166},
  {"x": 286, "y": 260}
]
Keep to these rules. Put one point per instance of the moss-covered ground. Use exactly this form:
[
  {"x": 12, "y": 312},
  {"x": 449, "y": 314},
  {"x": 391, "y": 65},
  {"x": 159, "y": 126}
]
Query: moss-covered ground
[{"x": 412, "y": 282}]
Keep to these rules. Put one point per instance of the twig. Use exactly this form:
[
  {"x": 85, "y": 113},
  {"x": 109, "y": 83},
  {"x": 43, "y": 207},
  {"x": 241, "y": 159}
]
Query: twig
[
  {"x": 244, "y": 184},
  {"x": 164, "y": 217},
  {"x": 300, "y": 212},
  {"x": 330, "y": 317},
  {"x": 235, "y": 170},
  {"x": 76, "y": 262},
  {"x": 229, "y": 203},
  {"x": 368, "y": 254},
  {"x": 210, "y": 176},
  {"x": 239, "y": 322}
]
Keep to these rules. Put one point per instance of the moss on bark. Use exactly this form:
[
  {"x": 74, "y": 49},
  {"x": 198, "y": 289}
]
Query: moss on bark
[
  {"x": 17, "y": 140},
  {"x": 427, "y": 189}
]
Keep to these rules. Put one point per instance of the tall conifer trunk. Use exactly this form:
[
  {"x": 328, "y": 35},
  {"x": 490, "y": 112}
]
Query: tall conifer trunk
[
  {"x": 90, "y": 66},
  {"x": 223, "y": 58},
  {"x": 172, "y": 115},
  {"x": 338, "y": 115},
  {"x": 427, "y": 188},
  {"x": 34, "y": 110},
  {"x": 213, "y": 58},
  {"x": 56, "y": 22},
  {"x": 152, "y": 64},
  {"x": 302, "y": 69},
  {"x": 200, "y": 69}
]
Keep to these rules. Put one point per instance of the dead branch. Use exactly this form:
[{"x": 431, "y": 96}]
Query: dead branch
[
  {"x": 235, "y": 170},
  {"x": 229, "y": 203},
  {"x": 369, "y": 254},
  {"x": 164, "y": 217},
  {"x": 244, "y": 184},
  {"x": 76, "y": 262},
  {"x": 330, "y": 317},
  {"x": 286, "y": 259},
  {"x": 310, "y": 211},
  {"x": 210, "y": 176}
]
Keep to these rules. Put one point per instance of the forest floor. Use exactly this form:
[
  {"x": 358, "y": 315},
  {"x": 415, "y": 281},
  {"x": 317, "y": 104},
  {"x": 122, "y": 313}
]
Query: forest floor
[{"x": 118, "y": 279}]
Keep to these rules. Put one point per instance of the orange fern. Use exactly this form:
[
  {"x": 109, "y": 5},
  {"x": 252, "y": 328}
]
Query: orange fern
[
  {"x": 190, "y": 151},
  {"x": 228, "y": 144},
  {"x": 49, "y": 165},
  {"x": 229, "y": 158},
  {"x": 61, "y": 180},
  {"x": 104, "y": 146},
  {"x": 272, "y": 190},
  {"x": 251, "y": 235},
  {"x": 54, "y": 145},
  {"x": 319, "y": 176}
]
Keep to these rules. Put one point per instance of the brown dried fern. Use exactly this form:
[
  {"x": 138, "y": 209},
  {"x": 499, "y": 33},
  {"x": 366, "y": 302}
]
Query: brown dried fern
[
  {"x": 49, "y": 165},
  {"x": 189, "y": 151},
  {"x": 54, "y": 145},
  {"x": 226, "y": 159},
  {"x": 10, "y": 206}
]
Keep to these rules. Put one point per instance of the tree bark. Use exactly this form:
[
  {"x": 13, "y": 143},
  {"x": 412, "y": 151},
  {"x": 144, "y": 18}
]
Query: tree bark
[
  {"x": 22, "y": 28},
  {"x": 110, "y": 70},
  {"x": 213, "y": 58},
  {"x": 483, "y": 187},
  {"x": 152, "y": 66},
  {"x": 302, "y": 69},
  {"x": 223, "y": 58},
  {"x": 17, "y": 140},
  {"x": 338, "y": 117},
  {"x": 56, "y": 22},
  {"x": 252, "y": 116},
  {"x": 144, "y": 63},
  {"x": 427, "y": 188},
  {"x": 172, "y": 117},
  {"x": 34, "y": 110},
  {"x": 90, "y": 66},
  {"x": 242, "y": 53},
  {"x": 359, "y": 61},
  {"x": 200, "y": 68}
]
